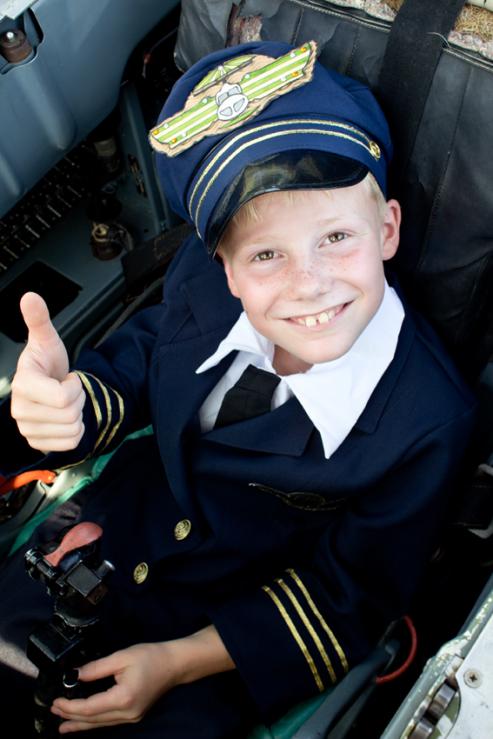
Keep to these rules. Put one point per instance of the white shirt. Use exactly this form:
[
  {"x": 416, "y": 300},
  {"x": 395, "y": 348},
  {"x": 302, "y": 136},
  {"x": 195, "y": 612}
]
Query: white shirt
[{"x": 333, "y": 394}]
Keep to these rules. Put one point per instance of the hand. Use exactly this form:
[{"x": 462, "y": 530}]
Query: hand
[
  {"x": 143, "y": 673},
  {"x": 47, "y": 400}
]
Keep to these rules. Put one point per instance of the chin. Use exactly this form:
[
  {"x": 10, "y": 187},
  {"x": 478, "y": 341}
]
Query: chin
[
  {"x": 328, "y": 357},
  {"x": 328, "y": 354}
]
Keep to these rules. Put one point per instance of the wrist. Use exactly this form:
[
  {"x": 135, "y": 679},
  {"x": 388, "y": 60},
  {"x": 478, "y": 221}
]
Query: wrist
[{"x": 199, "y": 655}]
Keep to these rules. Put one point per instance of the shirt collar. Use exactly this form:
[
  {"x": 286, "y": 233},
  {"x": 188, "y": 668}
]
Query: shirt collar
[
  {"x": 243, "y": 337},
  {"x": 333, "y": 394}
]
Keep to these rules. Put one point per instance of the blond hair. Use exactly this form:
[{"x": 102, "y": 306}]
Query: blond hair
[{"x": 248, "y": 213}]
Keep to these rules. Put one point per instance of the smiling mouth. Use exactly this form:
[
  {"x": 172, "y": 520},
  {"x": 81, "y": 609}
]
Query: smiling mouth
[{"x": 317, "y": 319}]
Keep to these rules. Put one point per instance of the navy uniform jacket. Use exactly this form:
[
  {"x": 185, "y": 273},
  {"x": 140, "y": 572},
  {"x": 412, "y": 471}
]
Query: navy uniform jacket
[{"x": 300, "y": 562}]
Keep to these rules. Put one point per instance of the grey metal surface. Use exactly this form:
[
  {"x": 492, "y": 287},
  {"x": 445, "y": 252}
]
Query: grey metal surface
[
  {"x": 453, "y": 698},
  {"x": 13, "y": 8},
  {"x": 53, "y": 100}
]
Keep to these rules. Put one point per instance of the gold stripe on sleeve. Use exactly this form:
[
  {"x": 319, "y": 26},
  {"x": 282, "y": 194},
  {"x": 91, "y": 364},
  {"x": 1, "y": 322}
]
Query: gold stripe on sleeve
[
  {"x": 107, "y": 403},
  {"x": 97, "y": 409},
  {"x": 301, "y": 613},
  {"x": 325, "y": 626},
  {"x": 90, "y": 392},
  {"x": 296, "y": 636},
  {"x": 121, "y": 409}
]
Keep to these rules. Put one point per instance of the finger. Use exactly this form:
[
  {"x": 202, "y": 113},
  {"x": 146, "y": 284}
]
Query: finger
[
  {"x": 46, "y": 391},
  {"x": 100, "y": 668},
  {"x": 52, "y": 444},
  {"x": 68, "y": 727},
  {"x": 101, "y": 719},
  {"x": 72, "y": 387},
  {"x": 41, "y": 431},
  {"x": 37, "y": 319},
  {"x": 89, "y": 709},
  {"x": 31, "y": 412}
]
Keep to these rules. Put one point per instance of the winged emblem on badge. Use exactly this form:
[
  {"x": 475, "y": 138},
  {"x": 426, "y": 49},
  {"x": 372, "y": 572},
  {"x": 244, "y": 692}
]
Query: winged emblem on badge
[{"x": 230, "y": 94}]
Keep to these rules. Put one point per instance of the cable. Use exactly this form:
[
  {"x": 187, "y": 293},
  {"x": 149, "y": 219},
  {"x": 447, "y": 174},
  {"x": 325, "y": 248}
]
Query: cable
[{"x": 410, "y": 657}]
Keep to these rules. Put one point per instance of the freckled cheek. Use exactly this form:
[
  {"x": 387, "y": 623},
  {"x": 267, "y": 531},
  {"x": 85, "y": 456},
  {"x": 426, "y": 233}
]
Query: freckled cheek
[
  {"x": 357, "y": 268},
  {"x": 349, "y": 259},
  {"x": 269, "y": 287},
  {"x": 258, "y": 298},
  {"x": 330, "y": 271}
]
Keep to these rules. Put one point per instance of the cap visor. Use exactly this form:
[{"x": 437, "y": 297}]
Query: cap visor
[{"x": 290, "y": 170}]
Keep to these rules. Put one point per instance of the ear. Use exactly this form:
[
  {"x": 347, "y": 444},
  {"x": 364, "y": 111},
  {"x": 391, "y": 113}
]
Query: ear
[
  {"x": 229, "y": 276},
  {"x": 390, "y": 229}
]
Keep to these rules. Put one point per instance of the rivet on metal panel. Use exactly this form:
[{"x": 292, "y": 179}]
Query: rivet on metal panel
[{"x": 473, "y": 678}]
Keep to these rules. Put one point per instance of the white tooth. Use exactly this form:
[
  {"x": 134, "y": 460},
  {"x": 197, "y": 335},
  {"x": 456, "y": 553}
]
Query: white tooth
[
  {"x": 332, "y": 313},
  {"x": 310, "y": 321},
  {"x": 324, "y": 317}
]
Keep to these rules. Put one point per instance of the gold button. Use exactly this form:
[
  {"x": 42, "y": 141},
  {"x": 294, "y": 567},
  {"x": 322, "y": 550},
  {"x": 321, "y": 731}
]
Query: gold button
[
  {"x": 141, "y": 572},
  {"x": 182, "y": 529},
  {"x": 375, "y": 150}
]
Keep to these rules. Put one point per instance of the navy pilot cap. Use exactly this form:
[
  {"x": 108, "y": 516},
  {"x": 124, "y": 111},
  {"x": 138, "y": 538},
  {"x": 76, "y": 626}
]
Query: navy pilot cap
[{"x": 260, "y": 117}]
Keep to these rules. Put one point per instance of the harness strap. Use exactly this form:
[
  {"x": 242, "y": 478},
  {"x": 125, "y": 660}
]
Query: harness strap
[
  {"x": 18, "y": 481},
  {"x": 417, "y": 37}
]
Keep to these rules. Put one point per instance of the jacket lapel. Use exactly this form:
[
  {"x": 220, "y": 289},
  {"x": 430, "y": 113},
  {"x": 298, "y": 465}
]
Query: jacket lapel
[
  {"x": 285, "y": 430},
  {"x": 211, "y": 310}
]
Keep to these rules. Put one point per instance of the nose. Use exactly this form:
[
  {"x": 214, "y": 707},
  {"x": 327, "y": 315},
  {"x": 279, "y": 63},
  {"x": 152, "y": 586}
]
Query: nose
[{"x": 307, "y": 279}]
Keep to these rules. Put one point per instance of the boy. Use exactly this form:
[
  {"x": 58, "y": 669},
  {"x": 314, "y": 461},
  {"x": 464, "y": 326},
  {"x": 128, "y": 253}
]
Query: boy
[{"x": 261, "y": 545}]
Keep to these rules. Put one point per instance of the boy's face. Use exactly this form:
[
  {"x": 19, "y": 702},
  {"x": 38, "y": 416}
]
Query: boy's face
[{"x": 309, "y": 271}]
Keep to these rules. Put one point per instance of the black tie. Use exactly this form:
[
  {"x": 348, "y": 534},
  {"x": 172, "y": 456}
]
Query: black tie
[{"x": 250, "y": 396}]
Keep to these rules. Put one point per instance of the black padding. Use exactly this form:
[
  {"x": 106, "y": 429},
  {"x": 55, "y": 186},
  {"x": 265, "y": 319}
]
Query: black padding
[{"x": 413, "y": 50}]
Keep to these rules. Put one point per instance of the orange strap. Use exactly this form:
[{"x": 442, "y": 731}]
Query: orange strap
[{"x": 24, "y": 478}]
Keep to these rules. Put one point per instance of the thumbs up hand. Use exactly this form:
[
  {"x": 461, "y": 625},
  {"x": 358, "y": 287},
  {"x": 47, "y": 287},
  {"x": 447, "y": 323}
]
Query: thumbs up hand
[{"x": 47, "y": 400}]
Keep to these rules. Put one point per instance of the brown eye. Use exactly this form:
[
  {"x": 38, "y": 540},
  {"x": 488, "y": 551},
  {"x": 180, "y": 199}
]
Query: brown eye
[
  {"x": 264, "y": 256},
  {"x": 336, "y": 236}
]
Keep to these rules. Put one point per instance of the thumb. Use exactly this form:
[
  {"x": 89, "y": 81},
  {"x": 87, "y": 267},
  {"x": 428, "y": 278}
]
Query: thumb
[
  {"x": 44, "y": 346},
  {"x": 37, "y": 319}
]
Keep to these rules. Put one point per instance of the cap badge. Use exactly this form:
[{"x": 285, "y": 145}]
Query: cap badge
[{"x": 231, "y": 94}]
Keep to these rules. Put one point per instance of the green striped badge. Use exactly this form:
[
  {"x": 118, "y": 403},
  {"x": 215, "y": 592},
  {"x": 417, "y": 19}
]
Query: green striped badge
[{"x": 231, "y": 94}]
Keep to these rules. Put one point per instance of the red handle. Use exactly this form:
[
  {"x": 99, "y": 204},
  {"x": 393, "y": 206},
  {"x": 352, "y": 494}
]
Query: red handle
[{"x": 81, "y": 535}]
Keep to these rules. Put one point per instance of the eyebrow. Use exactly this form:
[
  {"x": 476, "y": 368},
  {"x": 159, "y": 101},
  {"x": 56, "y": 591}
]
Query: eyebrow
[
  {"x": 328, "y": 221},
  {"x": 264, "y": 241},
  {"x": 319, "y": 222},
  {"x": 341, "y": 218}
]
